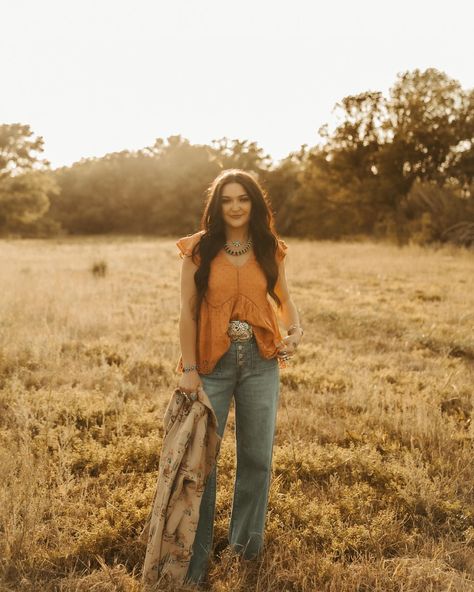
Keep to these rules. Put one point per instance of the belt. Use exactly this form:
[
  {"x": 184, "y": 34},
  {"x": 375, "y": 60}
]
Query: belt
[{"x": 239, "y": 331}]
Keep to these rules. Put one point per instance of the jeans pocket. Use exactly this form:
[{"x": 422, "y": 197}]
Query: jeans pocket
[{"x": 262, "y": 364}]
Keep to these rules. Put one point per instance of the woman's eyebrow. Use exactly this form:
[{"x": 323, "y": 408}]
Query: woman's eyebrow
[{"x": 243, "y": 195}]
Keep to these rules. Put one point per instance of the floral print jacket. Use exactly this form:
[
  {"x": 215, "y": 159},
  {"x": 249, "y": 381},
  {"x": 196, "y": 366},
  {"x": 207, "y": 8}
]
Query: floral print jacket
[{"x": 189, "y": 452}]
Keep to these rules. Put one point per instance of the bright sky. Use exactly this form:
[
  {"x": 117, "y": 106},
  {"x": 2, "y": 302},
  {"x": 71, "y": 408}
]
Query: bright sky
[{"x": 98, "y": 76}]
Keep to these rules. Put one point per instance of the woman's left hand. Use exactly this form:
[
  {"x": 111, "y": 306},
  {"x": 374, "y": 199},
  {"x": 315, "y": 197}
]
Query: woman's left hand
[{"x": 288, "y": 346}]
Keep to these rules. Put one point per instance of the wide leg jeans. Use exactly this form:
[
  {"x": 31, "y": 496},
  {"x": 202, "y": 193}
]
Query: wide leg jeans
[{"x": 254, "y": 382}]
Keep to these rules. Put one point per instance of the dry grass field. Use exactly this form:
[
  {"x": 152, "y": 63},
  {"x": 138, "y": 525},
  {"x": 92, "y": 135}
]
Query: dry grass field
[{"x": 373, "y": 485}]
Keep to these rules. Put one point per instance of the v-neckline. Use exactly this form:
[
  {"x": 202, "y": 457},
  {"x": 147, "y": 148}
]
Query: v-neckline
[{"x": 227, "y": 259}]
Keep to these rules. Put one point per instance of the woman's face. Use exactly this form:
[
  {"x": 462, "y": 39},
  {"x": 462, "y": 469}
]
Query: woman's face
[{"x": 236, "y": 205}]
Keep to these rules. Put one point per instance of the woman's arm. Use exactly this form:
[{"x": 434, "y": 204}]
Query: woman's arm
[
  {"x": 187, "y": 316},
  {"x": 288, "y": 312}
]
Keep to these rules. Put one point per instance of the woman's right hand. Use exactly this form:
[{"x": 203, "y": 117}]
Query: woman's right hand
[{"x": 190, "y": 381}]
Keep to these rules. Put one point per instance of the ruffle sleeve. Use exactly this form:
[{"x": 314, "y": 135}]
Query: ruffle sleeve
[
  {"x": 186, "y": 244},
  {"x": 281, "y": 250}
]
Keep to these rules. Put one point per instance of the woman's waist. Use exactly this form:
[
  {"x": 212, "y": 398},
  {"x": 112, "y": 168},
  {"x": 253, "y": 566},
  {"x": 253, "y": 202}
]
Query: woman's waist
[{"x": 239, "y": 330}]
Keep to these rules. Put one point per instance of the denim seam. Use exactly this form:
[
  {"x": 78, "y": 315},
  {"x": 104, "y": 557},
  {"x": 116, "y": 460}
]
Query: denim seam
[{"x": 211, "y": 507}]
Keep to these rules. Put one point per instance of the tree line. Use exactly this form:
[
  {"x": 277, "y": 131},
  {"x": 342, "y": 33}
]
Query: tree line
[{"x": 399, "y": 167}]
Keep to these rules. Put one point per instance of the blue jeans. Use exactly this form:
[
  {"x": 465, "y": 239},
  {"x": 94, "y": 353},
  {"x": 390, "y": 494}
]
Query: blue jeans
[{"x": 254, "y": 381}]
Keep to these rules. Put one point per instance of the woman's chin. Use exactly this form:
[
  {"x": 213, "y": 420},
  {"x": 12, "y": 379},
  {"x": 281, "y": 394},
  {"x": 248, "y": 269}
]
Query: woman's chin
[{"x": 236, "y": 222}]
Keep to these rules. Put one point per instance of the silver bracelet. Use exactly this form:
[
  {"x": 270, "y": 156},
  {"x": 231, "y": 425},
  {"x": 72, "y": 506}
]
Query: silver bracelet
[{"x": 189, "y": 368}]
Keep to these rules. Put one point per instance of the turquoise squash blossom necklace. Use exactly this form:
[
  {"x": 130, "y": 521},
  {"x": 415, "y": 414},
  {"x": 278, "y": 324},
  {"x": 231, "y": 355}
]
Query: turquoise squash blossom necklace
[{"x": 240, "y": 250}]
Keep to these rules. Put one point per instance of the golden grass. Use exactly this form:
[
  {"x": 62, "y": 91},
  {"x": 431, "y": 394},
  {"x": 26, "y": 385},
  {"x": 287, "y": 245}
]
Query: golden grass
[{"x": 373, "y": 484}]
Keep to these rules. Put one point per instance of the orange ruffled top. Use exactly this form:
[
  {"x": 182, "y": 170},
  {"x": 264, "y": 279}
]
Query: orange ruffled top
[{"x": 233, "y": 293}]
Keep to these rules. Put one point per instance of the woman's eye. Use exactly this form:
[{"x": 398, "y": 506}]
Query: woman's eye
[{"x": 226, "y": 201}]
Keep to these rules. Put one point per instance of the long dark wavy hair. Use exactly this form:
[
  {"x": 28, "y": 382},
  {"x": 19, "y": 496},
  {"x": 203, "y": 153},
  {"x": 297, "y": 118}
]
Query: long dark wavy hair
[{"x": 261, "y": 229}]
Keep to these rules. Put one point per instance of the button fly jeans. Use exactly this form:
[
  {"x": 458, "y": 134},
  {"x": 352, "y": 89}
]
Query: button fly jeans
[{"x": 254, "y": 382}]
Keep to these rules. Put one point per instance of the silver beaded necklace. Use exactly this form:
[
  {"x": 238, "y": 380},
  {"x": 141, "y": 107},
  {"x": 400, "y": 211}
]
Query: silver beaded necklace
[{"x": 240, "y": 249}]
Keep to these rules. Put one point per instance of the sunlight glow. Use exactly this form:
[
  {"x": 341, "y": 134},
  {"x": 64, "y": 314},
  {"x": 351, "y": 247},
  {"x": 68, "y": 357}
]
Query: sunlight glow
[{"x": 96, "y": 77}]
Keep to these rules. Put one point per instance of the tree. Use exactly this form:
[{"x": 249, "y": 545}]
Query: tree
[
  {"x": 242, "y": 154},
  {"x": 25, "y": 182},
  {"x": 424, "y": 131},
  {"x": 282, "y": 183},
  {"x": 428, "y": 122},
  {"x": 157, "y": 190}
]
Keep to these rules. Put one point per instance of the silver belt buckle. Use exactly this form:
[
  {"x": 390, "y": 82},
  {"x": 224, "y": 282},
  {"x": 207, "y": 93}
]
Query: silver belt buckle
[{"x": 239, "y": 330}]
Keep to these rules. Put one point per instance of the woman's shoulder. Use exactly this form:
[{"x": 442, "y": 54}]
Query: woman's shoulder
[{"x": 186, "y": 243}]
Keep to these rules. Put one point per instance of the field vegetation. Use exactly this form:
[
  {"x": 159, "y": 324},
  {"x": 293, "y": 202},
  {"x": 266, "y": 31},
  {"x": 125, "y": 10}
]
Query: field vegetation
[{"x": 373, "y": 485}]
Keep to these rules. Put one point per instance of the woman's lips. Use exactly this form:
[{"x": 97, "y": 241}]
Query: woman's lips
[{"x": 239, "y": 216}]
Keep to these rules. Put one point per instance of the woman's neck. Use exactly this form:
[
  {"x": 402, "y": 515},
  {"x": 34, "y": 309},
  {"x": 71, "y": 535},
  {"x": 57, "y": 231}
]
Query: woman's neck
[{"x": 234, "y": 234}]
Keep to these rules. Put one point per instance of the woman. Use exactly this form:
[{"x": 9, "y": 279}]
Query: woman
[{"x": 232, "y": 346}]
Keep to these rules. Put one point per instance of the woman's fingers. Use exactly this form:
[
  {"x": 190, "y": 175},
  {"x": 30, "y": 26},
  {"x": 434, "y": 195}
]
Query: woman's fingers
[{"x": 188, "y": 390}]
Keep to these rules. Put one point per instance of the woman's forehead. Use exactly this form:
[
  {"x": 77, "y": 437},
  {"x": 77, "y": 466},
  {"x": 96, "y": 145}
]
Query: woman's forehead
[{"x": 233, "y": 189}]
